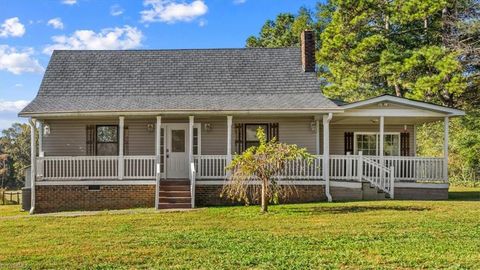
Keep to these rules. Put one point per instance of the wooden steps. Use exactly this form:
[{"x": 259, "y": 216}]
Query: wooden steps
[{"x": 174, "y": 194}]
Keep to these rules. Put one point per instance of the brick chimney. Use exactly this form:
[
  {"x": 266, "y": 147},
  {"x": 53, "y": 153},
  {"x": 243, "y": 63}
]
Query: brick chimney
[{"x": 307, "y": 40}]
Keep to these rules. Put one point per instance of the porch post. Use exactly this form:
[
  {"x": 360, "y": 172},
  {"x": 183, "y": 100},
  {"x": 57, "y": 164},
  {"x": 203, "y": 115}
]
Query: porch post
[
  {"x": 326, "y": 154},
  {"x": 40, "y": 139},
  {"x": 445, "y": 148},
  {"x": 121, "y": 124},
  {"x": 317, "y": 134},
  {"x": 415, "y": 140},
  {"x": 229, "y": 139},
  {"x": 157, "y": 158},
  {"x": 382, "y": 124},
  {"x": 190, "y": 139},
  {"x": 33, "y": 165}
]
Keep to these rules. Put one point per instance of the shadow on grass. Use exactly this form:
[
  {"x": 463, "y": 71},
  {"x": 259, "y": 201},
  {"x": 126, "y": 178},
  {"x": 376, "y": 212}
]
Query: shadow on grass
[
  {"x": 356, "y": 209},
  {"x": 464, "y": 195}
]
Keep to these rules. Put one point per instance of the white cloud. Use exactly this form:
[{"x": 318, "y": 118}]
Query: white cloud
[
  {"x": 18, "y": 85},
  {"x": 170, "y": 11},
  {"x": 202, "y": 23},
  {"x": 18, "y": 62},
  {"x": 9, "y": 111},
  {"x": 123, "y": 38},
  {"x": 12, "y": 106},
  {"x": 12, "y": 27},
  {"x": 56, "y": 23},
  {"x": 239, "y": 2},
  {"x": 69, "y": 2},
  {"x": 116, "y": 10}
]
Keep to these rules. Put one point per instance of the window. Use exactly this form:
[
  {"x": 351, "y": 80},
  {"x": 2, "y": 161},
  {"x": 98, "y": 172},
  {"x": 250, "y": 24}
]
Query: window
[
  {"x": 178, "y": 140},
  {"x": 107, "y": 140},
  {"x": 369, "y": 143},
  {"x": 251, "y": 134}
]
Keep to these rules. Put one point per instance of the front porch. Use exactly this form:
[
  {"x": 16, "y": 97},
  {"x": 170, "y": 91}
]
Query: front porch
[{"x": 189, "y": 149}]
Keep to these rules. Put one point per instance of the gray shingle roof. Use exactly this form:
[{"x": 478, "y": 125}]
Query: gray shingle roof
[{"x": 204, "y": 79}]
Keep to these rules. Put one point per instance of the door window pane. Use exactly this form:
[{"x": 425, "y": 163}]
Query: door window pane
[{"x": 178, "y": 140}]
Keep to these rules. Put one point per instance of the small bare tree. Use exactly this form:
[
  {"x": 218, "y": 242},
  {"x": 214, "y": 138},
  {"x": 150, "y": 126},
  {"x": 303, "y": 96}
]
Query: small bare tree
[{"x": 262, "y": 163}]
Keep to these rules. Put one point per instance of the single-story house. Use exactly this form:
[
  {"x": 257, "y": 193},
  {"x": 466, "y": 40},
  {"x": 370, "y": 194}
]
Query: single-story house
[{"x": 156, "y": 128}]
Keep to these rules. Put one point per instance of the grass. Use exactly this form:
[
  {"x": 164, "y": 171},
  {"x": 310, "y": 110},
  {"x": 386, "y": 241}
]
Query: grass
[{"x": 352, "y": 235}]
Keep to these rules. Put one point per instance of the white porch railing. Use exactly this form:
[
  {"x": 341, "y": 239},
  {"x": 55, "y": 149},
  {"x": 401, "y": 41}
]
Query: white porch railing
[
  {"x": 95, "y": 168},
  {"x": 139, "y": 167},
  {"x": 210, "y": 166},
  {"x": 378, "y": 175},
  {"x": 342, "y": 167}
]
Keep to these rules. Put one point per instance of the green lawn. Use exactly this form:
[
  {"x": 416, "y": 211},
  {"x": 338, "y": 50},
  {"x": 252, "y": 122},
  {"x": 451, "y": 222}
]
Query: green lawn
[{"x": 387, "y": 234}]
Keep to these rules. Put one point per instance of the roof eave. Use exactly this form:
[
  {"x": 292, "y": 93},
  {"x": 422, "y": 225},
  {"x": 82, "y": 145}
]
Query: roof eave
[
  {"x": 404, "y": 101},
  {"x": 179, "y": 112}
]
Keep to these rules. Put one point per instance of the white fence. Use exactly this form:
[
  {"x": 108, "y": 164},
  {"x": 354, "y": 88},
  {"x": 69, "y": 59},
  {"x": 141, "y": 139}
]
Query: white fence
[
  {"x": 341, "y": 167},
  {"x": 95, "y": 167}
]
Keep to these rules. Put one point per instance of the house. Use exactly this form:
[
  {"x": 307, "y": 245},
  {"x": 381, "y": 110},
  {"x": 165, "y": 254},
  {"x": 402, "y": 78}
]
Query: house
[{"x": 144, "y": 128}]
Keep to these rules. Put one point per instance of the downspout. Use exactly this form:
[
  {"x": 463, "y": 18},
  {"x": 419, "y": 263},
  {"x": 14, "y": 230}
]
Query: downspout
[
  {"x": 33, "y": 166},
  {"x": 326, "y": 154}
]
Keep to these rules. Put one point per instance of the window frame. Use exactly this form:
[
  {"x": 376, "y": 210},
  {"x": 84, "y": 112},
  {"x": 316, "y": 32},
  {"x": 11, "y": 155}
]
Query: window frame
[
  {"x": 246, "y": 142},
  {"x": 377, "y": 140},
  {"x": 98, "y": 142}
]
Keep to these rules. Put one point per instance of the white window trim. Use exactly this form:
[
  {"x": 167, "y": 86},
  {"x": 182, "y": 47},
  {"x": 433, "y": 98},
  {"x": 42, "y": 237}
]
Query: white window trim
[{"x": 377, "y": 139}]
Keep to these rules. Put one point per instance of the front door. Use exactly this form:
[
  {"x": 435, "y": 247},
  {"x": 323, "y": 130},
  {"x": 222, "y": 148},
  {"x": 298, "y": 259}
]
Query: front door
[{"x": 177, "y": 151}]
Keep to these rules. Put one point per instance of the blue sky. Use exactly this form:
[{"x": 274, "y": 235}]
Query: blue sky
[{"x": 30, "y": 30}]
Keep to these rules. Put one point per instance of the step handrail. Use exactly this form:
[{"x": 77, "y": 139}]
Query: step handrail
[
  {"x": 378, "y": 175},
  {"x": 192, "y": 183}
]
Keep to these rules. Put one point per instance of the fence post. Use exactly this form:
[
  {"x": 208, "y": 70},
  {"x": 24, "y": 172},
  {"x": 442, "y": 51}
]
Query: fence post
[
  {"x": 360, "y": 166},
  {"x": 392, "y": 182}
]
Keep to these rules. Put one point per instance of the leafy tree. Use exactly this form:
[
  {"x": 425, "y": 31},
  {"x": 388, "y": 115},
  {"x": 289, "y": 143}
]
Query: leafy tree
[
  {"x": 284, "y": 31},
  {"x": 15, "y": 142},
  {"x": 261, "y": 163},
  {"x": 422, "y": 49}
]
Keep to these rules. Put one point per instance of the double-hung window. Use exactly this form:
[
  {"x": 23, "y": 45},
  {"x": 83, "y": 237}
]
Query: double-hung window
[
  {"x": 107, "y": 140},
  {"x": 369, "y": 143}
]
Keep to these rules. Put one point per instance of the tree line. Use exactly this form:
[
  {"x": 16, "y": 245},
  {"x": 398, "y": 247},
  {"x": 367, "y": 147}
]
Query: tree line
[{"x": 420, "y": 49}]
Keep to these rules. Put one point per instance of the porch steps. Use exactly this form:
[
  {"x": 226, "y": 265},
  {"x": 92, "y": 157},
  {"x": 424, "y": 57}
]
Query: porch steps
[
  {"x": 372, "y": 193},
  {"x": 174, "y": 194}
]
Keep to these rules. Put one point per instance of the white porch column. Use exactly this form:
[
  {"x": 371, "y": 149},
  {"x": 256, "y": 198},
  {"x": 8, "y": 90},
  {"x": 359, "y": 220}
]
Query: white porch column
[
  {"x": 382, "y": 137},
  {"x": 190, "y": 139},
  {"x": 326, "y": 154},
  {"x": 415, "y": 140},
  {"x": 158, "y": 127},
  {"x": 33, "y": 160},
  {"x": 121, "y": 124},
  {"x": 40, "y": 139},
  {"x": 317, "y": 135},
  {"x": 229, "y": 138},
  {"x": 445, "y": 148}
]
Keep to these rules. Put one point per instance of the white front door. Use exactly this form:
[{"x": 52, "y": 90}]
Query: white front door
[{"x": 177, "y": 151}]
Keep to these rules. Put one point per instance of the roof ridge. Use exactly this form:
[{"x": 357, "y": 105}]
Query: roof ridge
[{"x": 183, "y": 49}]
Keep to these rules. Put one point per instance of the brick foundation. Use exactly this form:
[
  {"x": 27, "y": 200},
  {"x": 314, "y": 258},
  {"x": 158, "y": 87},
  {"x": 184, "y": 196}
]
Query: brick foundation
[
  {"x": 71, "y": 198},
  {"x": 421, "y": 193},
  {"x": 209, "y": 195}
]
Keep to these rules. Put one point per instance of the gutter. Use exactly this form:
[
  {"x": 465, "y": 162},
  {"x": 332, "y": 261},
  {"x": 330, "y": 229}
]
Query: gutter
[{"x": 180, "y": 112}]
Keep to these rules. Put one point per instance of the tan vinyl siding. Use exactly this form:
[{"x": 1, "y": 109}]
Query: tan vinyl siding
[
  {"x": 140, "y": 140},
  {"x": 68, "y": 137}
]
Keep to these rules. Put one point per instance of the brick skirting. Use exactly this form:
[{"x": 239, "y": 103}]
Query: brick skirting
[
  {"x": 402, "y": 193},
  {"x": 209, "y": 195},
  {"x": 79, "y": 197}
]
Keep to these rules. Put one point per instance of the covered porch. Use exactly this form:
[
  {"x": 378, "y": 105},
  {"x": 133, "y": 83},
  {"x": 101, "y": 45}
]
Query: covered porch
[{"x": 150, "y": 150}]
